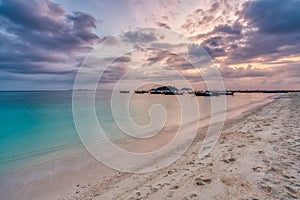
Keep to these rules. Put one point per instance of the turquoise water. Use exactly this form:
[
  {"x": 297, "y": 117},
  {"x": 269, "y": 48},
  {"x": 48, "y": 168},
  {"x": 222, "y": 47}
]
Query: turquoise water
[{"x": 35, "y": 124}]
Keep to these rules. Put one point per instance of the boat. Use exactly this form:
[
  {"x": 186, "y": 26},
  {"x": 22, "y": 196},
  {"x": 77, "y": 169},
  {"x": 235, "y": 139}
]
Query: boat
[
  {"x": 229, "y": 93},
  {"x": 225, "y": 92},
  {"x": 166, "y": 90},
  {"x": 153, "y": 91},
  {"x": 172, "y": 92},
  {"x": 207, "y": 93},
  {"x": 199, "y": 93},
  {"x": 124, "y": 91},
  {"x": 211, "y": 93},
  {"x": 274, "y": 91},
  {"x": 140, "y": 91}
]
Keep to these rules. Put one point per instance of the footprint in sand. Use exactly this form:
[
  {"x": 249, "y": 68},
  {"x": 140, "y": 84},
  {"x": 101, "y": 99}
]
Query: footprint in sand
[
  {"x": 172, "y": 190},
  {"x": 241, "y": 146},
  {"x": 193, "y": 196},
  {"x": 265, "y": 187},
  {"x": 175, "y": 187},
  {"x": 202, "y": 181},
  {"x": 170, "y": 194},
  {"x": 230, "y": 160},
  {"x": 257, "y": 169}
]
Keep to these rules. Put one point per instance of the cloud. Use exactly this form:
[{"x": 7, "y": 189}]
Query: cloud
[
  {"x": 213, "y": 41},
  {"x": 214, "y": 7},
  {"x": 274, "y": 16},
  {"x": 199, "y": 52},
  {"x": 244, "y": 72},
  {"x": 122, "y": 59},
  {"x": 45, "y": 18},
  {"x": 165, "y": 17},
  {"x": 210, "y": 14},
  {"x": 285, "y": 76},
  {"x": 194, "y": 21},
  {"x": 34, "y": 68},
  {"x": 163, "y": 25},
  {"x": 264, "y": 29},
  {"x": 82, "y": 24},
  {"x": 224, "y": 30},
  {"x": 274, "y": 26},
  {"x": 236, "y": 28},
  {"x": 113, "y": 74},
  {"x": 34, "y": 35},
  {"x": 139, "y": 37}
]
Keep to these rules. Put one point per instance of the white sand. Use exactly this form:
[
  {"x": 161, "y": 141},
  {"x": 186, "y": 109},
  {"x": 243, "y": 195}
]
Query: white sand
[{"x": 256, "y": 157}]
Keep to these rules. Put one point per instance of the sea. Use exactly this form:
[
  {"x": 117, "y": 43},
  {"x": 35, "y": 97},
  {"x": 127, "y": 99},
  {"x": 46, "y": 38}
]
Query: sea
[{"x": 37, "y": 126}]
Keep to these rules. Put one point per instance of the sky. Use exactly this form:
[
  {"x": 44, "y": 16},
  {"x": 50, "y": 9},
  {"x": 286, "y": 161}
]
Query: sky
[{"x": 255, "y": 44}]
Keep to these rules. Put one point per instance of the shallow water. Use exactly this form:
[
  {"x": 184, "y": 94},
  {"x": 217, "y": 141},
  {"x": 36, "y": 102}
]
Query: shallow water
[{"x": 35, "y": 124}]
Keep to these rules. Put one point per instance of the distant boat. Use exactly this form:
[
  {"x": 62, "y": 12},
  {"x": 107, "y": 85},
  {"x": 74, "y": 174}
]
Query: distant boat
[
  {"x": 207, "y": 93},
  {"x": 140, "y": 91},
  {"x": 124, "y": 91},
  {"x": 275, "y": 91},
  {"x": 211, "y": 93},
  {"x": 172, "y": 92},
  {"x": 199, "y": 93},
  {"x": 229, "y": 93},
  {"x": 155, "y": 91},
  {"x": 225, "y": 92},
  {"x": 166, "y": 90}
]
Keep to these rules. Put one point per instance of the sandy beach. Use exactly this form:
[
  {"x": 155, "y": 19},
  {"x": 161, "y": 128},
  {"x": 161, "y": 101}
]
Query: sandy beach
[
  {"x": 155, "y": 100},
  {"x": 256, "y": 157}
]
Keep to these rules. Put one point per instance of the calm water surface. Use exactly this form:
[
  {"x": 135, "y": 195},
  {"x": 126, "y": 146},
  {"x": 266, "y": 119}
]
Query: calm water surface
[{"x": 34, "y": 124}]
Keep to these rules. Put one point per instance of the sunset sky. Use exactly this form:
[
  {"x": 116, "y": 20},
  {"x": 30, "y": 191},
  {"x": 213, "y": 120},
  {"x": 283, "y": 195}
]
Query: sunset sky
[{"x": 255, "y": 44}]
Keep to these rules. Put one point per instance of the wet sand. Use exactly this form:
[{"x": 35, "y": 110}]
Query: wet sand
[{"x": 256, "y": 157}]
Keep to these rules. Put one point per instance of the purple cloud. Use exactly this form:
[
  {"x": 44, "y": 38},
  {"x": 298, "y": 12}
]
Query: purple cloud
[{"x": 38, "y": 33}]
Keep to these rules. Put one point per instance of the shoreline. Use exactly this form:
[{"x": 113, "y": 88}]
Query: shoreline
[
  {"x": 96, "y": 178},
  {"x": 242, "y": 165}
]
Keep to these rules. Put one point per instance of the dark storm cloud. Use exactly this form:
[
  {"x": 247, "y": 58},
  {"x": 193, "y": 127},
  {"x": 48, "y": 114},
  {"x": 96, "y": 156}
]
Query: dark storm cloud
[
  {"x": 274, "y": 16},
  {"x": 28, "y": 15},
  {"x": 38, "y": 33},
  {"x": 223, "y": 29},
  {"x": 272, "y": 32},
  {"x": 278, "y": 31},
  {"x": 236, "y": 28},
  {"x": 200, "y": 52},
  {"x": 213, "y": 41},
  {"x": 215, "y": 52},
  {"x": 267, "y": 46}
]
